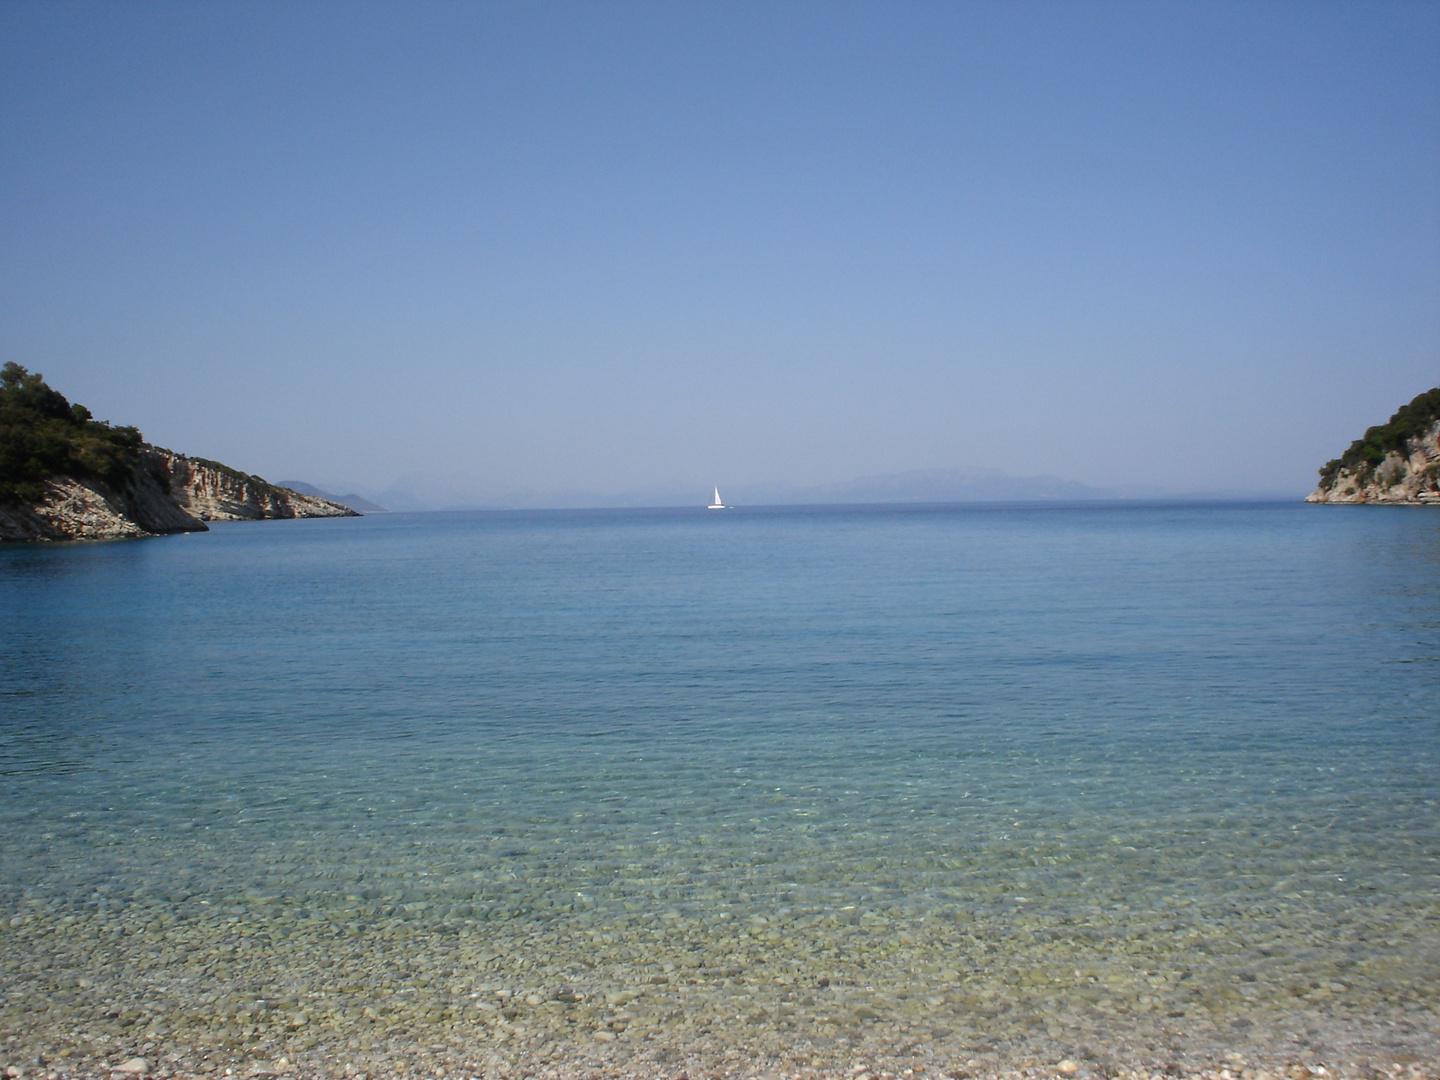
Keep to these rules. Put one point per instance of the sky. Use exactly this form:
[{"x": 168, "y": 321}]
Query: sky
[{"x": 632, "y": 247}]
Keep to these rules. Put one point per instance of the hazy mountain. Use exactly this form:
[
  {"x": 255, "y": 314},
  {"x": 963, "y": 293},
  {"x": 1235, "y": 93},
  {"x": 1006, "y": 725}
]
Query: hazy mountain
[
  {"x": 417, "y": 492},
  {"x": 930, "y": 485},
  {"x": 452, "y": 492},
  {"x": 355, "y": 502}
]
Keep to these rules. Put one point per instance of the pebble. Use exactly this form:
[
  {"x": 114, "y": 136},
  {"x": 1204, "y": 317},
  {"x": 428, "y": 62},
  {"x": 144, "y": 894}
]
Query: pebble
[{"x": 236, "y": 982}]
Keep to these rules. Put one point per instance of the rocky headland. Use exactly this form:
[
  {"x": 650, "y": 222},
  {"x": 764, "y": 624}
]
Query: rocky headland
[
  {"x": 1397, "y": 462},
  {"x": 215, "y": 492},
  {"x": 66, "y": 476}
]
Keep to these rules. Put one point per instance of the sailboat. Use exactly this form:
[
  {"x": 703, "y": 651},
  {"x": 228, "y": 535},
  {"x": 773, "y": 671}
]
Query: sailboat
[{"x": 717, "y": 504}]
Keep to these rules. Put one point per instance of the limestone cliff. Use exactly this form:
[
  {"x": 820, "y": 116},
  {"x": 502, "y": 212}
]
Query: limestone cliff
[
  {"x": 164, "y": 492},
  {"x": 215, "y": 492},
  {"x": 66, "y": 476},
  {"x": 1398, "y": 462},
  {"x": 90, "y": 508}
]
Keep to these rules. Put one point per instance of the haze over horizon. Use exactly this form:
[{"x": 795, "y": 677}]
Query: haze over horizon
[
  {"x": 440, "y": 491},
  {"x": 629, "y": 247}
]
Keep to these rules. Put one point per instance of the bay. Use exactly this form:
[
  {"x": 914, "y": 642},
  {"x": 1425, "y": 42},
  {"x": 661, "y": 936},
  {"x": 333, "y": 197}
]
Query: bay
[{"x": 944, "y": 783}]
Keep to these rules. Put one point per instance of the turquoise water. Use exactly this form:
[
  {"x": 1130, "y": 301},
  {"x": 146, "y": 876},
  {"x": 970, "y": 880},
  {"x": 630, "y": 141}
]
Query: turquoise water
[{"x": 801, "y": 786}]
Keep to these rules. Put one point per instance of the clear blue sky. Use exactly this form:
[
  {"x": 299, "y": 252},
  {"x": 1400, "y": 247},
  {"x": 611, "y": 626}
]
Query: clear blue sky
[{"x": 619, "y": 245}]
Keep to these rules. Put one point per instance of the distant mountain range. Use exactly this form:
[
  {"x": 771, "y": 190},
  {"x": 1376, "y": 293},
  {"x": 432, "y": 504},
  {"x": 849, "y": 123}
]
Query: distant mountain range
[
  {"x": 430, "y": 492},
  {"x": 355, "y": 502},
  {"x": 932, "y": 485}
]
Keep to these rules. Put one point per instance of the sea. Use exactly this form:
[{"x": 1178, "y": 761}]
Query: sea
[{"x": 774, "y": 791}]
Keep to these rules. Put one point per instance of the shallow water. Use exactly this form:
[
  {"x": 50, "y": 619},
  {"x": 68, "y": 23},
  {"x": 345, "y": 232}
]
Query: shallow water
[{"x": 811, "y": 785}]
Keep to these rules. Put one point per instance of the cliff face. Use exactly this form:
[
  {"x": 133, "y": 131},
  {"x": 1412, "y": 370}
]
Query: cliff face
[
  {"x": 66, "y": 476},
  {"x": 92, "y": 509},
  {"x": 215, "y": 492},
  {"x": 163, "y": 493},
  {"x": 1403, "y": 469}
]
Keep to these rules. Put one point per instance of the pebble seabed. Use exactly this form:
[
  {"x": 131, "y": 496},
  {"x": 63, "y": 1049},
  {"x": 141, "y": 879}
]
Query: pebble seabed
[
  {"x": 947, "y": 813},
  {"x": 374, "y": 983},
  {"x": 953, "y": 929}
]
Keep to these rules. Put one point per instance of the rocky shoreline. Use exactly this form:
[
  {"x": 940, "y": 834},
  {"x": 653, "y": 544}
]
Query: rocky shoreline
[
  {"x": 1396, "y": 464},
  {"x": 164, "y": 492},
  {"x": 215, "y": 492},
  {"x": 66, "y": 476},
  {"x": 1409, "y": 476}
]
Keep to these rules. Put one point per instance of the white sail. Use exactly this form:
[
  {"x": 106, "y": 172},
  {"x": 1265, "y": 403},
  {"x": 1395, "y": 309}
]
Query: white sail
[{"x": 717, "y": 504}]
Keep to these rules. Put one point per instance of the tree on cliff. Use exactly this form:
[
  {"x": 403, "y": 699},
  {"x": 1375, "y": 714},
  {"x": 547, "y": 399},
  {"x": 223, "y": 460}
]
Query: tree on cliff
[
  {"x": 43, "y": 435},
  {"x": 1367, "y": 452}
]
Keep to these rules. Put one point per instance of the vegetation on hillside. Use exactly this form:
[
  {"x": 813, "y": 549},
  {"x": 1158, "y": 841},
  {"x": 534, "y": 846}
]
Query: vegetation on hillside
[
  {"x": 1367, "y": 452},
  {"x": 43, "y": 435}
]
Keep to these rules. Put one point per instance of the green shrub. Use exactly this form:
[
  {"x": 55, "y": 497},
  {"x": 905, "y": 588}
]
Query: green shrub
[
  {"x": 42, "y": 435},
  {"x": 1367, "y": 452}
]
